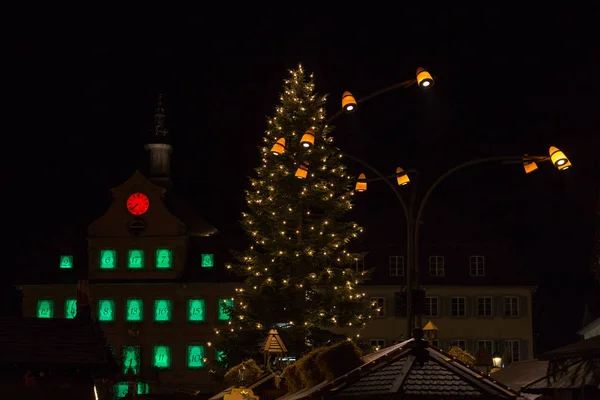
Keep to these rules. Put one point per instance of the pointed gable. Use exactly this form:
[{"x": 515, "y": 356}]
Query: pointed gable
[{"x": 411, "y": 368}]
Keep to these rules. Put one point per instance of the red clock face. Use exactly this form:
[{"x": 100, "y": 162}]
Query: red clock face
[{"x": 138, "y": 203}]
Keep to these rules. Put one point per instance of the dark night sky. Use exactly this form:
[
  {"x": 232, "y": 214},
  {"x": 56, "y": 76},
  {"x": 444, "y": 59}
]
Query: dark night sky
[{"x": 81, "y": 97}]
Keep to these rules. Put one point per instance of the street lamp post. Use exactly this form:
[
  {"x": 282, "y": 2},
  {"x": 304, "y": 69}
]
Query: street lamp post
[
  {"x": 349, "y": 104},
  {"x": 413, "y": 214}
]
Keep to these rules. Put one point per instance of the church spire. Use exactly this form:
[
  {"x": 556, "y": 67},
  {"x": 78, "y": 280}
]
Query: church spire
[
  {"x": 160, "y": 150},
  {"x": 159, "y": 118}
]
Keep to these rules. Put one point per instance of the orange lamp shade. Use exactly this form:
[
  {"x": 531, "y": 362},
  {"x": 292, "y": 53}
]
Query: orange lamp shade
[
  {"x": 529, "y": 164},
  {"x": 558, "y": 158},
  {"x": 308, "y": 139},
  {"x": 424, "y": 78},
  {"x": 361, "y": 183},
  {"x": 402, "y": 177},
  {"x": 348, "y": 102},
  {"x": 302, "y": 171},
  {"x": 279, "y": 147}
]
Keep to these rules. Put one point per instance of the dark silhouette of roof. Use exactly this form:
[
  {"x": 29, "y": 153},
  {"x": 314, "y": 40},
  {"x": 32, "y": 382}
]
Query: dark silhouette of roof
[
  {"x": 196, "y": 224},
  {"x": 55, "y": 343}
]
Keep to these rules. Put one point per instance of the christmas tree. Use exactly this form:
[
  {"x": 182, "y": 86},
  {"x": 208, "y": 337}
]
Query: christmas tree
[{"x": 298, "y": 273}]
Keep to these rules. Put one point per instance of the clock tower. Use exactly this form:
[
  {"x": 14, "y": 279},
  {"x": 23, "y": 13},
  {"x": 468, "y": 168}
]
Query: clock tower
[{"x": 159, "y": 148}]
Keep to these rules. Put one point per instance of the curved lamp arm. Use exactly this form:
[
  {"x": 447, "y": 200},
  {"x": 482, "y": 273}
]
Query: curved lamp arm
[
  {"x": 436, "y": 184},
  {"x": 383, "y": 178},
  {"x": 405, "y": 84}
]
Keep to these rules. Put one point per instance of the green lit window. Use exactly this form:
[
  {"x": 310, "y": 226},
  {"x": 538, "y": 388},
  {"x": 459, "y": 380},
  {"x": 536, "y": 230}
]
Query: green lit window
[
  {"x": 208, "y": 260},
  {"x": 70, "y": 308},
  {"x": 120, "y": 389},
  {"x": 131, "y": 359},
  {"x": 66, "y": 262},
  {"x": 195, "y": 357},
  {"x": 220, "y": 356},
  {"x": 45, "y": 309},
  {"x": 106, "y": 310},
  {"x": 162, "y": 357},
  {"x": 108, "y": 259},
  {"x": 164, "y": 259},
  {"x": 134, "y": 309},
  {"x": 162, "y": 310},
  {"x": 196, "y": 310},
  {"x": 224, "y": 305},
  {"x": 135, "y": 259}
]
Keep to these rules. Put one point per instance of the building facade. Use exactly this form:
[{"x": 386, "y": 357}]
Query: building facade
[
  {"x": 474, "y": 294},
  {"x": 156, "y": 281},
  {"x": 159, "y": 287}
]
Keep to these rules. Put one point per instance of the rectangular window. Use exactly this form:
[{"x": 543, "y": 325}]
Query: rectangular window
[
  {"x": 162, "y": 357},
  {"x": 70, "y": 308},
  {"x": 512, "y": 351},
  {"x": 462, "y": 344},
  {"x": 195, "y": 357},
  {"x": 162, "y": 310},
  {"x": 511, "y": 306},
  {"x": 196, "y": 310},
  {"x": 108, "y": 259},
  {"x": 484, "y": 306},
  {"x": 431, "y": 306},
  {"x": 436, "y": 266},
  {"x": 396, "y": 266},
  {"x": 106, "y": 310},
  {"x": 220, "y": 356},
  {"x": 66, "y": 262},
  {"x": 45, "y": 309},
  {"x": 224, "y": 305},
  {"x": 131, "y": 359},
  {"x": 378, "y": 306},
  {"x": 359, "y": 264},
  {"x": 377, "y": 344},
  {"x": 164, "y": 259},
  {"x": 435, "y": 343},
  {"x": 458, "y": 307},
  {"x": 135, "y": 259},
  {"x": 488, "y": 344},
  {"x": 134, "y": 310},
  {"x": 208, "y": 260},
  {"x": 477, "y": 265}
]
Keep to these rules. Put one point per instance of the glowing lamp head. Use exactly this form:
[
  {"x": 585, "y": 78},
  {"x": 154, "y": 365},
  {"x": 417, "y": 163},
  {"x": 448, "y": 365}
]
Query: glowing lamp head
[
  {"x": 302, "y": 171},
  {"x": 529, "y": 165},
  {"x": 424, "y": 78},
  {"x": 361, "y": 183},
  {"x": 497, "y": 360},
  {"x": 402, "y": 177},
  {"x": 308, "y": 139},
  {"x": 559, "y": 159},
  {"x": 279, "y": 147},
  {"x": 348, "y": 102}
]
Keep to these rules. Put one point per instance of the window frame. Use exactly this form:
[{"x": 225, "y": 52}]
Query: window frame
[
  {"x": 509, "y": 309},
  {"x": 114, "y": 310},
  {"x": 381, "y": 313},
  {"x": 477, "y": 268},
  {"x": 437, "y": 306},
  {"x": 377, "y": 344},
  {"x": 396, "y": 265},
  {"x": 491, "y": 306},
  {"x": 52, "y": 309},
  {"x": 490, "y": 349},
  {"x": 155, "y": 303},
  {"x": 456, "y": 343},
  {"x": 464, "y": 302},
  {"x": 509, "y": 350},
  {"x": 439, "y": 268}
]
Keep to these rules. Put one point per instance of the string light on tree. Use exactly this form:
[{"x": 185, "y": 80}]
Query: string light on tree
[{"x": 297, "y": 273}]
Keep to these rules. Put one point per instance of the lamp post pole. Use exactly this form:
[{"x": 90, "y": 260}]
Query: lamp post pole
[{"x": 413, "y": 217}]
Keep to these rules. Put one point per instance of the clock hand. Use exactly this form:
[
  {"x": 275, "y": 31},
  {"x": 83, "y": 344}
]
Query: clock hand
[{"x": 134, "y": 206}]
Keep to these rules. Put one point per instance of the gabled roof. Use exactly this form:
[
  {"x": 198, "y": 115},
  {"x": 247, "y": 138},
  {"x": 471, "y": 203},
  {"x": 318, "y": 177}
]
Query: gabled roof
[
  {"x": 574, "y": 375},
  {"x": 585, "y": 348},
  {"x": 52, "y": 343},
  {"x": 409, "y": 368}
]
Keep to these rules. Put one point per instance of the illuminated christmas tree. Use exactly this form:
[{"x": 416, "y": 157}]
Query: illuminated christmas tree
[{"x": 298, "y": 274}]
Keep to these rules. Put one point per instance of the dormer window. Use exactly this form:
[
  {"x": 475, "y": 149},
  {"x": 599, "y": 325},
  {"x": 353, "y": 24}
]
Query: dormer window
[
  {"x": 436, "y": 266},
  {"x": 477, "y": 265}
]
